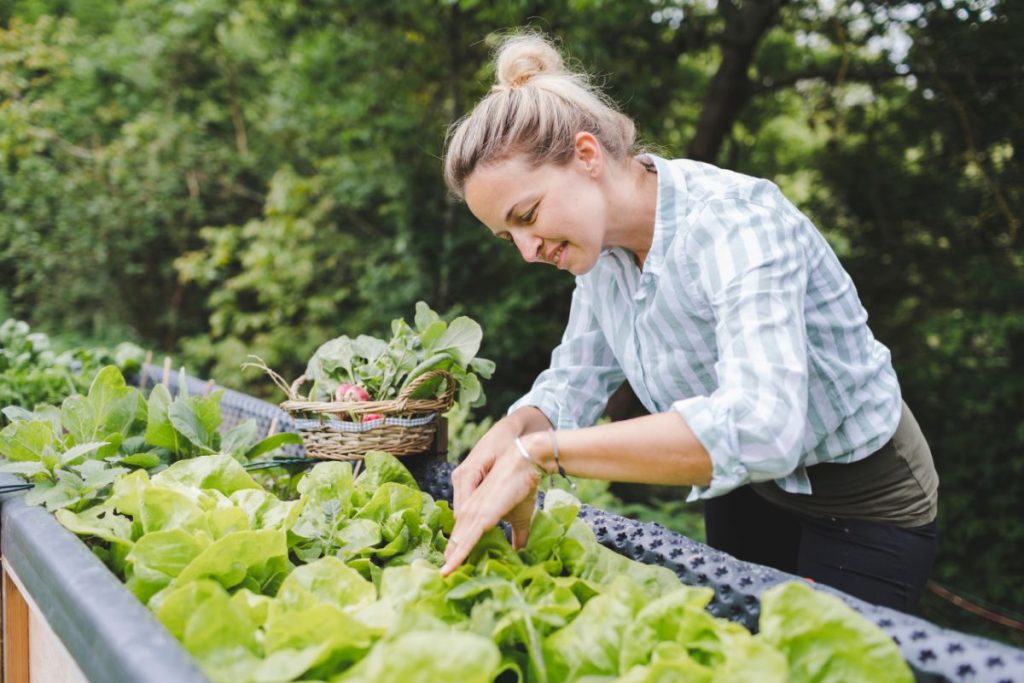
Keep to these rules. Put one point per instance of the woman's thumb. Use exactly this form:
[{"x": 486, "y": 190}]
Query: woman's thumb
[{"x": 519, "y": 519}]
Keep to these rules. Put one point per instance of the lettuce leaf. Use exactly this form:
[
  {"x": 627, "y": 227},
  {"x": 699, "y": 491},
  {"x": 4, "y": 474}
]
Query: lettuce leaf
[
  {"x": 428, "y": 657},
  {"x": 826, "y": 641}
]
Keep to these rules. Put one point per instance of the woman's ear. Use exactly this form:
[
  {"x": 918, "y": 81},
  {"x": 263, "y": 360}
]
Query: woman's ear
[{"x": 589, "y": 153}]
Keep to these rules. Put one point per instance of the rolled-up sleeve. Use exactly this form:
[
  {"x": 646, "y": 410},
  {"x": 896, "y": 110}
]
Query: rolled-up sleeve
[
  {"x": 752, "y": 269},
  {"x": 574, "y": 390}
]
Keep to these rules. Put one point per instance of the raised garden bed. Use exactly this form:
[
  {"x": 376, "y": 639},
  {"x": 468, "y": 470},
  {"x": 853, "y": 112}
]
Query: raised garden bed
[{"x": 66, "y": 613}]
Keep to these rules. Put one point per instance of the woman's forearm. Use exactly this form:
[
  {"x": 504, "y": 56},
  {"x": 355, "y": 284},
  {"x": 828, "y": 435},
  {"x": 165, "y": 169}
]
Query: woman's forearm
[{"x": 653, "y": 449}]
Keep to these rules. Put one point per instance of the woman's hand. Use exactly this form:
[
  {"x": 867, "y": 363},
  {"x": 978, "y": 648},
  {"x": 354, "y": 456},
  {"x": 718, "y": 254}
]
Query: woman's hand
[
  {"x": 471, "y": 472},
  {"x": 507, "y": 489}
]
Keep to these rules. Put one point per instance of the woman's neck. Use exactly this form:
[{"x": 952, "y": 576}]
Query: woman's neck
[{"x": 633, "y": 207}]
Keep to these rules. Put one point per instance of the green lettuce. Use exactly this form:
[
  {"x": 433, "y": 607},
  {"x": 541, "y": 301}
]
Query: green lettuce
[
  {"x": 826, "y": 641},
  {"x": 343, "y": 584}
]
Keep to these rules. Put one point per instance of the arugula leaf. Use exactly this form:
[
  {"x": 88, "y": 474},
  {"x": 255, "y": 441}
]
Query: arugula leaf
[
  {"x": 26, "y": 468},
  {"x": 240, "y": 438},
  {"x": 80, "y": 451},
  {"x": 272, "y": 443}
]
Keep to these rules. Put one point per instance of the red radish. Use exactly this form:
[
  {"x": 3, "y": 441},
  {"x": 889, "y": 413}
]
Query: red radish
[
  {"x": 369, "y": 417},
  {"x": 351, "y": 393}
]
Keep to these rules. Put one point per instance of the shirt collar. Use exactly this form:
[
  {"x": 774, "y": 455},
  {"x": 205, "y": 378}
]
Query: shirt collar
[{"x": 669, "y": 195}]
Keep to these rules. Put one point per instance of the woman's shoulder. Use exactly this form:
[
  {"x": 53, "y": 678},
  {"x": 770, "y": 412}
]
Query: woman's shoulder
[{"x": 702, "y": 183}]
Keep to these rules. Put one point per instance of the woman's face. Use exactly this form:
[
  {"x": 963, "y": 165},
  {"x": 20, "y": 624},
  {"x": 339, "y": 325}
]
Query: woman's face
[{"x": 553, "y": 214}]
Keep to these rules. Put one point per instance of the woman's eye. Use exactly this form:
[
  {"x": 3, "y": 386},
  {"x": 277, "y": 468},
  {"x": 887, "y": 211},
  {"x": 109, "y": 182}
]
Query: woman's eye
[{"x": 529, "y": 216}]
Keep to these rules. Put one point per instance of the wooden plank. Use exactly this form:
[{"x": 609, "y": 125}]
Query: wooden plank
[
  {"x": 15, "y": 630},
  {"x": 48, "y": 659}
]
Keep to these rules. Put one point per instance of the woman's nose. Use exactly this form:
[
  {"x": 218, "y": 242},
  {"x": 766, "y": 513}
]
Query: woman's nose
[{"x": 529, "y": 247}]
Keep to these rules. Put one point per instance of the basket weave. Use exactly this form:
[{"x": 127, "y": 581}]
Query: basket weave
[{"x": 330, "y": 444}]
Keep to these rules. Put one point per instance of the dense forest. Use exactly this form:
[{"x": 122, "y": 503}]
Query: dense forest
[{"x": 218, "y": 178}]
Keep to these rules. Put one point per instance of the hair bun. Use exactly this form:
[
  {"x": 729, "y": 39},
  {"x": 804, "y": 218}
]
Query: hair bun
[{"x": 520, "y": 58}]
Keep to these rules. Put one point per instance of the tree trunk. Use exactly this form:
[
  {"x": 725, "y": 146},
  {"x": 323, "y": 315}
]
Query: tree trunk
[{"x": 729, "y": 92}]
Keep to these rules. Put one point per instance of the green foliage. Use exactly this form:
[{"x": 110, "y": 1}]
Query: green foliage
[
  {"x": 342, "y": 584},
  {"x": 32, "y": 372},
  {"x": 928, "y": 190},
  {"x": 385, "y": 369},
  {"x": 804, "y": 624},
  {"x": 73, "y": 454},
  {"x": 70, "y": 454}
]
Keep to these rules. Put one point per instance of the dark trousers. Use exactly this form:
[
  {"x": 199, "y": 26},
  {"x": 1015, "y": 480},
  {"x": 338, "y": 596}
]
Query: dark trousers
[{"x": 881, "y": 563}]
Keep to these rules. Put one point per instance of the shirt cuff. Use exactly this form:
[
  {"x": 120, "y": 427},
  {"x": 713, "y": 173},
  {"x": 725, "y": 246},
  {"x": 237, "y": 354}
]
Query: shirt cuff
[
  {"x": 549, "y": 405},
  {"x": 727, "y": 470}
]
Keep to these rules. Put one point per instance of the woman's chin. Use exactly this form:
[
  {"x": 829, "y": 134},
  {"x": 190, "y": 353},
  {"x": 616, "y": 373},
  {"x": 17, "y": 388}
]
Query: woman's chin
[{"x": 576, "y": 268}]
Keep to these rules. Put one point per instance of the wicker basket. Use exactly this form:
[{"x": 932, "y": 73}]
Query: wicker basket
[{"x": 408, "y": 425}]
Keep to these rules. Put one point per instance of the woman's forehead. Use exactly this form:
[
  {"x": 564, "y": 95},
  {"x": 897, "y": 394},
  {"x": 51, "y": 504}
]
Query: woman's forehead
[{"x": 496, "y": 187}]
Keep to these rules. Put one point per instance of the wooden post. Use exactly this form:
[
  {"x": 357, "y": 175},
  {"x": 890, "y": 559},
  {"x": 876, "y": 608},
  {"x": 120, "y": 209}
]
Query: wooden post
[
  {"x": 440, "y": 445},
  {"x": 15, "y": 633},
  {"x": 143, "y": 375}
]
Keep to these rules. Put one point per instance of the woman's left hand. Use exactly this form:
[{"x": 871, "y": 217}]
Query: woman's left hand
[{"x": 509, "y": 492}]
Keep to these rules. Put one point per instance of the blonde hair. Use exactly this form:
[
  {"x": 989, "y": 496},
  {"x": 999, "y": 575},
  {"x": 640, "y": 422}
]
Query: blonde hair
[{"x": 536, "y": 108}]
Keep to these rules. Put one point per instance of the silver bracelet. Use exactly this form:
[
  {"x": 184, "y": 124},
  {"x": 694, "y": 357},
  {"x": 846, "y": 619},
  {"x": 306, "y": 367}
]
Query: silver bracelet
[
  {"x": 526, "y": 454},
  {"x": 558, "y": 463}
]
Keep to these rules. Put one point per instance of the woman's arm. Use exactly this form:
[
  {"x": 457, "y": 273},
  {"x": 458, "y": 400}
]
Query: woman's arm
[
  {"x": 653, "y": 449},
  {"x": 574, "y": 390},
  {"x": 659, "y": 449}
]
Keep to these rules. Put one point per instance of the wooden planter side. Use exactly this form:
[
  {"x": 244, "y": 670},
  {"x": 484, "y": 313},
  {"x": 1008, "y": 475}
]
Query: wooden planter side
[
  {"x": 106, "y": 631},
  {"x": 15, "y": 633}
]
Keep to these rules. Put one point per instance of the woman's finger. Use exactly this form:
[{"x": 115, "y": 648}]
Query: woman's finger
[
  {"x": 469, "y": 475},
  {"x": 511, "y": 486},
  {"x": 460, "y": 485},
  {"x": 519, "y": 518},
  {"x": 464, "y": 538}
]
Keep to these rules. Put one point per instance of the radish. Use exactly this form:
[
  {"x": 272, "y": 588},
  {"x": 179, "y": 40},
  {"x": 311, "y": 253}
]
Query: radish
[
  {"x": 369, "y": 417},
  {"x": 351, "y": 393}
]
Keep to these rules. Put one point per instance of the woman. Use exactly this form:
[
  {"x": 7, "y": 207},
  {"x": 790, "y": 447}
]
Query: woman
[{"x": 731, "y": 318}]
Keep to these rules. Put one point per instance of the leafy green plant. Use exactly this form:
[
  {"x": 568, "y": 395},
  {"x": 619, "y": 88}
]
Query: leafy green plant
[
  {"x": 385, "y": 368},
  {"x": 33, "y": 372},
  {"x": 73, "y": 453},
  {"x": 186, "y": 426},
  {"x": 70, "y": 453},
  {"x": 342, "y": 584}
]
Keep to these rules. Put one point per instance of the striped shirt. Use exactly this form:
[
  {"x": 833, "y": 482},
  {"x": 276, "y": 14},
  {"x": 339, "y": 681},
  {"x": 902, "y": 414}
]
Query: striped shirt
[{"x": 743, "y": 321}]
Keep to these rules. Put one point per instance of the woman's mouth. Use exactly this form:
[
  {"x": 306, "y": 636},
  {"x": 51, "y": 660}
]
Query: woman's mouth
[{"x": 559, "y": 254}]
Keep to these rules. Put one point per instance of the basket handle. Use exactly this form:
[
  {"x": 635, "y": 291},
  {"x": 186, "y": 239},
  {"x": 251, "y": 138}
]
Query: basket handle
[
  {"x": 292, "y": 391},
  {"x": 448, "y": 397}
]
